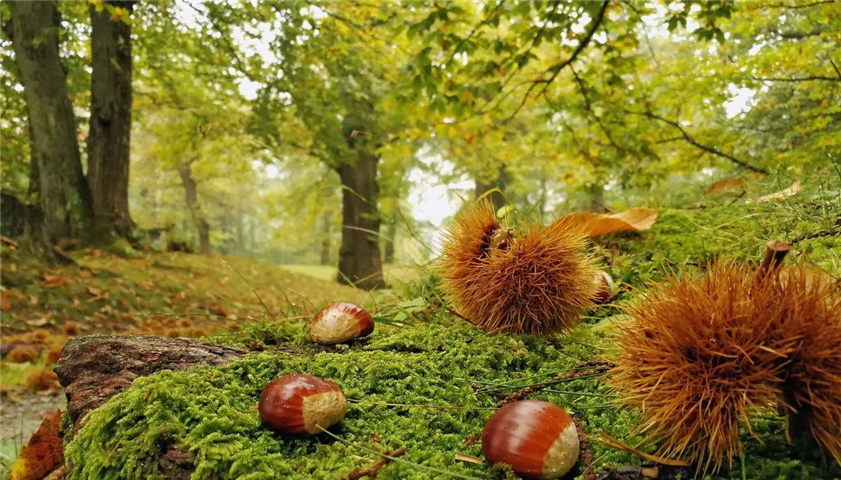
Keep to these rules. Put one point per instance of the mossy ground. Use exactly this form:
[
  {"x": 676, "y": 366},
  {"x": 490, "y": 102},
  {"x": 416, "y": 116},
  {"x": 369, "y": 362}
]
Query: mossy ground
[{"x": 447, "y": 370}]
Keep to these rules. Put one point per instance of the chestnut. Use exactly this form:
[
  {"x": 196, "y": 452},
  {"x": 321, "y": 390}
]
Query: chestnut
[
  {"x": 538, "y": 439},
  {"x": 300, "y": 404},
  {"x": 340, "y": 322},
  {"x": 605, "y": 287}
]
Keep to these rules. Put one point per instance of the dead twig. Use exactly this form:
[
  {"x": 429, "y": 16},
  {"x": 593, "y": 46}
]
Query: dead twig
[
  {"x": 581, "y": 370},
  {"x": 373, "y": 470}
]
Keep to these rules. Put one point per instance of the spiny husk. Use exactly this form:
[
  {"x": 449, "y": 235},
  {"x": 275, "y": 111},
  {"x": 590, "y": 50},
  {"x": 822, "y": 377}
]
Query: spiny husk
[
  {"x": 536, "y": 282},
  {"x": 808, "y": 323},
  {"x": 695, "y": 361}
]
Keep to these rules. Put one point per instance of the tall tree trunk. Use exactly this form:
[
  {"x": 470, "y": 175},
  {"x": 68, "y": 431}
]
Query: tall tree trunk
[
  {"x": 110, "y": 121},
  {"x": 359, "y": 255},
  {"x": 390, "y": 236},
  {"x": 596, "y": 192},
  {"x": 326, "y": 220},
  {"x": 483, "y": 186},
  {"x": 194, "y": 206},
  {"x": 63, "y": 193}
]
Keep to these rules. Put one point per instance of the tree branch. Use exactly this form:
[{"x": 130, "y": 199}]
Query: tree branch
[
  {"x": 811, "y": 78},
  {"x": 801, "y": 5},
  {"x": 700, "y": 146},
  {"x": 558, "y": 67}
]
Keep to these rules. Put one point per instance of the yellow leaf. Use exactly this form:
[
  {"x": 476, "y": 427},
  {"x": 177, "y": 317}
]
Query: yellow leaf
[
  {"x": 780, "y": 196},
  {"x": 594, "y": 224}
]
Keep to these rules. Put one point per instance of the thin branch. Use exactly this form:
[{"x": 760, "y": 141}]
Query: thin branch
[
  {"x": 812, "y": 78},
  {"x": 487, "y": 20},
  {"x": 801, "y": 5},
  {"x": 558, "y": 67},
  {"x": 706, "y": 148},
  {"x": 590, "y": 110}
]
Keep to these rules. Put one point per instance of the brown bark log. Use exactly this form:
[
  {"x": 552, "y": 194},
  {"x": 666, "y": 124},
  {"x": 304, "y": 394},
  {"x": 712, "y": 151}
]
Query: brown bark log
[
  {"x": 359, "y": 255},
  {"x": 194, "y": 206},
  {"x": 110, "y": 120},
  {"x": 64, "y": 196},
  {"x": 92, "y": 369}
]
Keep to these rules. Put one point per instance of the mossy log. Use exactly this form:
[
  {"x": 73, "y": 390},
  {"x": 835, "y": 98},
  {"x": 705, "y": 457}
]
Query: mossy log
[{"x": 93, "y": 369}]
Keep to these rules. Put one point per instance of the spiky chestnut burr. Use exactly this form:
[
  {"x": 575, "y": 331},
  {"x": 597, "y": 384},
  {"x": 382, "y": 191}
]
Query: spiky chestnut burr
[
  {"x": 340, "y": 322},
  {"x": 807, "y": 329},
  {"x": 538, "y": 439},
  {"x": 300, "y": 404},
  {"x": 695, "y": 359},
  {"x": 533, "y": 281}
]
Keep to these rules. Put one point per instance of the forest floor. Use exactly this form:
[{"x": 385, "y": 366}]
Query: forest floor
[
  {"x": 423, "y": 371},
  {"x": 166, "y": 294}
]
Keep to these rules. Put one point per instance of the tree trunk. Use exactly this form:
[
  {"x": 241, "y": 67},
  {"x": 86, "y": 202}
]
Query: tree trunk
[
  {"x": 597, "y": 198},
  {"x": 326, "y": 220},
  {"x": 110, "y": 121},
  {"x": 483, "y": 186},
  {"x": 194, "y": 206},
  {"x": 390, "y": 236},
  {"x": 359, "y": 255},
  {"x": 64, "y": 196}
]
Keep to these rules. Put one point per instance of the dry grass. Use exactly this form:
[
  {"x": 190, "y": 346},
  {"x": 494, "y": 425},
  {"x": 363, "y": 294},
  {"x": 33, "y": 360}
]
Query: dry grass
[{"x": 535, "y": 281}]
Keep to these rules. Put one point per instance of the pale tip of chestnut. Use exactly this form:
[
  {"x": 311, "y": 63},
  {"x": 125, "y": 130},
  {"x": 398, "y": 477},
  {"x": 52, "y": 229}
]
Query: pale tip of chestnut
[
  {"x": 340, "y": 322},
  {"x": 605, "y": 287},
  {"x": 302, "y": 404},
  {"x": 537, "y": 439}
]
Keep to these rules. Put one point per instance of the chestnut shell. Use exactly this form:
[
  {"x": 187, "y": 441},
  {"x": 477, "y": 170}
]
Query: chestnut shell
[
  {"x": 299, "y": 404},
  {"x": 340, "y": 322},
  {"x": 538, "y": 439}
]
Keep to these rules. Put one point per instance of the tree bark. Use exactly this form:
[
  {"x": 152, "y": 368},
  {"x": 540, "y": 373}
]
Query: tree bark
[
  {"x": 483, "y": 186},
  {"x": 110, "y": 120},
  {"x": 192, "y": 198},
  {"x": 359, "y": 255},
  {"x": 326, "y": 220},
  {"x": 63, "y": 193},
  {"x": 390, "y": 236},
  {"x": 596, "y": 192}
]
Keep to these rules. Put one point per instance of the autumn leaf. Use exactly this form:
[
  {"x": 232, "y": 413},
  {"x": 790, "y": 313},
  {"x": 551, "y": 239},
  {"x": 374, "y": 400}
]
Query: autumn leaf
[
  {"x": 52, "y": 281},
  {"x": 594, "y": 224},
  {"x": 780, "y": 196},
  {"x": 733, "y": 185},
  {"x": 5, "y": 303},
  {"x": 118, "y": 14},
  {"x": 43, "y": 453}
]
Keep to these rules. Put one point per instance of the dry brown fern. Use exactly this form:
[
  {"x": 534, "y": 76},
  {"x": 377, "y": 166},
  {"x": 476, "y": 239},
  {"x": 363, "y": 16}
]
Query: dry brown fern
[
  {"x": 535, "y": 281},
  {"x": 694, "y": 360},
  {"x": 807, "y": 311}
]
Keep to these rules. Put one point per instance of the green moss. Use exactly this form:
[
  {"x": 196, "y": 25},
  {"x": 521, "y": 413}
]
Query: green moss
[{"x": 211, "y": 412}]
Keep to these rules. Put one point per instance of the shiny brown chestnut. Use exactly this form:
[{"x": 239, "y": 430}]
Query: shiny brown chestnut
[
  {"x": 538, "y": 439},
  {"x": 340, "y": 322},
  {"x": 300, "y": 404},
  {"x": 605, "y": 287}
]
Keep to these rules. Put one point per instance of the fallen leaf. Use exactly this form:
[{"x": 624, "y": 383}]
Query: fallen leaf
[
  {"x": 85, "y": 274},
  {"x": 43, "y": 453},
  {"x": 8, "y": 241},
  {"x": 780, "y": 196},
  {"x": 460, "y": 457},
  {"x": 39, "y": 322},
  {"x": 5, "y": 303},
  {"x": 733, "y": 185},
  {"x": 94, "y": 291},
  {"x": 52, "y": 281},
  {"x": 595, "y": 224},
  {"x": 33, "y": 299}
]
